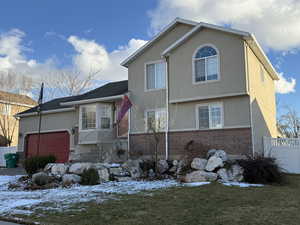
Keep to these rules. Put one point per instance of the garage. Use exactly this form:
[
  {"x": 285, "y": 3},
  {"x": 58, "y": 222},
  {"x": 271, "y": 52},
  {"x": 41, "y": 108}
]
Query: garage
[{"x": 54, "y": 143}]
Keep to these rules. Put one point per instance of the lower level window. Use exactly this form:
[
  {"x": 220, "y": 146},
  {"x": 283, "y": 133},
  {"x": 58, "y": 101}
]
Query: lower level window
[
  {"x": 210, "y": 116},
  {"x": 156, "y": 119}
]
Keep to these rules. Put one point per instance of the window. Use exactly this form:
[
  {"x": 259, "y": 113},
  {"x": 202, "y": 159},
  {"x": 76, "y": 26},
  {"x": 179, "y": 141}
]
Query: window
[
  {"x": 156, "y": 119},
  {"x": 209, "y": 116},
  {"x": 5, "y": 109},
  {"x": 155, "y": 75},
  {"x": 105, "y": 114},
  {"x": 88, "y": 117},
  {"x": 262, "y": 74},
  {"x": 206, "y": 64}
]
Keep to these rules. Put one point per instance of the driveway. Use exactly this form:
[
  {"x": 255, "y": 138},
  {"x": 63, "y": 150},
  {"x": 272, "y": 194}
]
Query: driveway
[{"x": 12, "y": 172}]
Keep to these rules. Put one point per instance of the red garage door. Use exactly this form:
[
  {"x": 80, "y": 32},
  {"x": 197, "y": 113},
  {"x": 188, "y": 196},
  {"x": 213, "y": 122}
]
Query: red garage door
[{"x": 56, "y": 143}]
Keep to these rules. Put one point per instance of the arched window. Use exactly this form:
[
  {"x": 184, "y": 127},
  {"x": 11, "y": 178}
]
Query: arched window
[{"x": 206, "y": 64}]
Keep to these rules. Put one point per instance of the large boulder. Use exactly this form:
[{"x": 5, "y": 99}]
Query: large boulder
[
  {"x": 68, "y": 179},
  {"x": 48, "y": 167},
  {"x": 223, "y": 175},
  {"x": 221, "y": 154},
  {"x": 133, "y": 167},
  {"x": 198, "y": 163},
  {"x": 103, "y": 175},
  {"x": 210, "y": 153},
  {"x": 235, "y": 173},
  {"x": 200, "y": 176},
  {"x": 213, "y": 163},
  {"x": 116, "y": 171},
  {"x": 162, "y": 166},
  {"x": 59, "y": 169},
  {"x": 181, "y": 165},
  {"x": 78, "y": 168},
  {"x": 41, "y": 178}
]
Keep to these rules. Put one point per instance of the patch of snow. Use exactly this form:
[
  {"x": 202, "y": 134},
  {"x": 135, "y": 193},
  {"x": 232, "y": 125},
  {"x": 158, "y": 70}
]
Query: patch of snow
[
  {"x": 196, "y": 184},
  {"x": 239, "y": 184}
]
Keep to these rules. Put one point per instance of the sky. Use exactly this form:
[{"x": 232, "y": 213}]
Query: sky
[{"x": 41, "y": 37}]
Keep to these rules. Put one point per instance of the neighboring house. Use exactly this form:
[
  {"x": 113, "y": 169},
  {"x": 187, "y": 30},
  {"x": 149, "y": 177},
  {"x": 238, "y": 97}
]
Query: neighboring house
[
  {"x": 205, "y": 85},
  {"x": 78, "y": 128},
  {"x": 11, "y": 104}
]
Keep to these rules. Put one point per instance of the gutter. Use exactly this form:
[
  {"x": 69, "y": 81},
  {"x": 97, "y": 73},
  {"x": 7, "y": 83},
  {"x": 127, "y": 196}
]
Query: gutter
[
  {"x": 92, "y": 100},
  {"x": 45, "y": 112}
]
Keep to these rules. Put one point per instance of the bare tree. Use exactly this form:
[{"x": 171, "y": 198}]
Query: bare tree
[
  {"x": 8, "y": 123},
  {"x": 289, "y": 123},
  {"x": 12, "y": 81},
  {"x": 68, "y": 82}
]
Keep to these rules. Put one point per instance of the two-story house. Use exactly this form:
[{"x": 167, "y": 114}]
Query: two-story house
[
  {"x": 11, "y": 104},
  {"x": 202, "y": 84}
]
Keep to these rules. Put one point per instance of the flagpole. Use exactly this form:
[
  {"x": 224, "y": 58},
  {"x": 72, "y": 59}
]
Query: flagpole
[{"x": 40, "y": 101}]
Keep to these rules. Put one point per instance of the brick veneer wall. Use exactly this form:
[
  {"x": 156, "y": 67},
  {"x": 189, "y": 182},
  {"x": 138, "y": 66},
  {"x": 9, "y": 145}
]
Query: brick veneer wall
[{"x": 233, "y": 141}]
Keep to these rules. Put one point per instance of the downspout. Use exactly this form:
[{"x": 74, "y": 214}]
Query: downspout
[
  {"x": 249, "y": 90},
  {"x": 167, "y": 108},
  {"x": 128, "y": 134}
]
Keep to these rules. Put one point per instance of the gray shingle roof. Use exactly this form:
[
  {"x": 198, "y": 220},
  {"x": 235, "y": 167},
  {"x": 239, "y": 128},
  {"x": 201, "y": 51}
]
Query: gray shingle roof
[{"x": 107, "y": 90}]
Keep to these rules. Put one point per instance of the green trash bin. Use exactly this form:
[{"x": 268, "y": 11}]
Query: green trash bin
[{"x": 11, "y": 160}]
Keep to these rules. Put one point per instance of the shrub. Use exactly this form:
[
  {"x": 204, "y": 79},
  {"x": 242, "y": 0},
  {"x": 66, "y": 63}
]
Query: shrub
[
  {"x": 36, "y": 163},
  {"x": 262, "y": 170},
  {"x": 90, "y": 177}
]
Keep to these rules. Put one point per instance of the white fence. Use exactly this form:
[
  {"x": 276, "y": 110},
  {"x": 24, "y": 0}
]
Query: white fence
[
  {"x": 5, "y": 150},
  {"x": 286, "y": 151}
]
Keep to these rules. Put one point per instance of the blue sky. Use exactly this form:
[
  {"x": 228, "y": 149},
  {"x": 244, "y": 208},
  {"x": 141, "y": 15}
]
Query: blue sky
[{"x": 53, "y": 35}]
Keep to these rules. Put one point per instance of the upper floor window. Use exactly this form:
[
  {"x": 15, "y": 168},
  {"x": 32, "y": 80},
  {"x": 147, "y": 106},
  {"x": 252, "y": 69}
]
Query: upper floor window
[
  {"x": 88, "y": 117},
  {"x": 156, "y": 119},
  {"x": 5, "y": 109},
  {"x": 206, "y": 64},
  {"x": 209, "y": 116},
  {"x": 155, "y": 75},
  {"x": 105, "y": 114}
]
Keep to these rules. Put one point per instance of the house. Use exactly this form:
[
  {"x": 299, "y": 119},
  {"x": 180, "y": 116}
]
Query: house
[
  {"x": 77, "y": 128},
  {"x": 11, "y": 104},
  {"x": 203, "y": 85},
  {"x": 193, "y": 86}
]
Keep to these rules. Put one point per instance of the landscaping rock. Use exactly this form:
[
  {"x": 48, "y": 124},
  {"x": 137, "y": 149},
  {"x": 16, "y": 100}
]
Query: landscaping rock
[
  {"x": 210, "y": 153},
  {"x": 151, "y": 173},
  {"x": 48, "y": 167},
  {"x": 68, "y": 179},
  {"x": 134, "y": 168},
  {"x": 59, "y": 169},
  {"x": 175, "y": 162},
  {"x": 123, "y": 179},
  {"x": 200, "y": 176},
  {"x": 103, "y": 175},
  {"x": 116, "y": 171},
  {"x": 235, "y": 173},
  {"x": 78, "y": 168},
  {"x": 99, "y": 166},
  {"x": 181, "y": 164},
  {"x": 198, "y": 163},
  {"x": 162, "y": 166},
  {"x": 41, "y": 178},
  {"x": 223, "y": 175},
  {"x": 221, "y": 154},
  {"x": 213, "y": 163}
]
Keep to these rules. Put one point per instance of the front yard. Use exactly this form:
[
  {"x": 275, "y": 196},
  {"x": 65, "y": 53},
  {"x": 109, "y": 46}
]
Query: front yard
[{"x": 208, "y": 204}]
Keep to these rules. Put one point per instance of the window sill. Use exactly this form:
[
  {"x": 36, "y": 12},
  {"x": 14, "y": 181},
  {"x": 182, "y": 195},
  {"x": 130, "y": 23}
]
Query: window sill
[
  {"x": 205, "y": 82},
  {"x": 155, "y": 89}
]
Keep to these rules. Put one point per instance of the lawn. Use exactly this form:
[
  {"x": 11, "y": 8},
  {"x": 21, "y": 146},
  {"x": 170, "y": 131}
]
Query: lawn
[{"x": 212, "y": 204}]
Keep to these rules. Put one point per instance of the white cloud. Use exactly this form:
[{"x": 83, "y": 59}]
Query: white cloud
[
  {"x": 92, "y": 56},
  {"x": 284, "y": 85},
  {"x": 275, "y": 23}
]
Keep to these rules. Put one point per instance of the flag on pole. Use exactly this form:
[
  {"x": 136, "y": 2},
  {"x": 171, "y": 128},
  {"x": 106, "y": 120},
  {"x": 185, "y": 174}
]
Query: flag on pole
[
  {"x": 40, "y": 101},
  {"x": 126, "y": 105}
]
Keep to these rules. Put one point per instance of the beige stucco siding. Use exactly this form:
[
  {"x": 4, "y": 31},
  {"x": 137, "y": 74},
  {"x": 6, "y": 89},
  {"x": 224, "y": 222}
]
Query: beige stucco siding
[
  {"x": 183, "y": 115},
  {"x": 263, "y": 102},
  {"x": 231, "y": 61},
  {"x": 136, "y": 75}
]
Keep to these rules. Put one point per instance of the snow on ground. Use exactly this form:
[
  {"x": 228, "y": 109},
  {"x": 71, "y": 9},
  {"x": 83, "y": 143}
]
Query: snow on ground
[
  {"x": 239, "y": 184},
  {"x": 26, "y": 202}
]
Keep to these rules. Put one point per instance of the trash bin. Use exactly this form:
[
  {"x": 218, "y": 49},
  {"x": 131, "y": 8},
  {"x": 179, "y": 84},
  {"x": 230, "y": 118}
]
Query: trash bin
[{"x": 11, "y": 160}]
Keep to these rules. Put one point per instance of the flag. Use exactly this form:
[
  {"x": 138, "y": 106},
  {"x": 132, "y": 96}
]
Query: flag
[
  {"x": 126, "y": 105},
  {"x": 40, "y": 101}
]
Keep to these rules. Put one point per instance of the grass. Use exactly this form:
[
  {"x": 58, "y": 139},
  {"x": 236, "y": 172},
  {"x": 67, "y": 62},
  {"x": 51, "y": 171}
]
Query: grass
[{"x": 213, "y": 204}]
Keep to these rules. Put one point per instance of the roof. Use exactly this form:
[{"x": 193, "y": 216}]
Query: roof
[
  {"x": 16, "y": 98},
  {"x": 107, "y": 90},
  {"x": 248, "y": 37}
]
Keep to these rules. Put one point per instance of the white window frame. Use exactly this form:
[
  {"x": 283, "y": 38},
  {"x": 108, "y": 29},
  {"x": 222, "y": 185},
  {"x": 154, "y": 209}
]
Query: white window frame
[
  {"x": 195, "y": 59},
  {"x": 6, "y": 109},
  {"x": 98, "y": 118},
  {"x": 156, "y": 111},
  {"x": 220, "y": 104},
  {"x": 145, "y": 75}
]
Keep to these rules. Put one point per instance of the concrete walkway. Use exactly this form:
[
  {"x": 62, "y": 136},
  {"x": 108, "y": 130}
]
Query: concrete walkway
[{"x": 12, "y": 172}]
